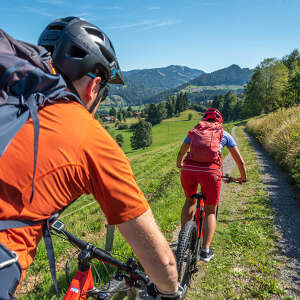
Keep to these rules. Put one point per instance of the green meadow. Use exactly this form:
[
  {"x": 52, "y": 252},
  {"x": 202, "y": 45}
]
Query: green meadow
[{"x": 157, "y": 175}]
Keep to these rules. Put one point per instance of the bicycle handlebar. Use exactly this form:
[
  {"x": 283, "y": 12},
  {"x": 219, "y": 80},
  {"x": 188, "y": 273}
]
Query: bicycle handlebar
[
  {"x": 229, "y": 179},
  {"x": 130, "y": 267},
  {"x": 97, "y": 253}
]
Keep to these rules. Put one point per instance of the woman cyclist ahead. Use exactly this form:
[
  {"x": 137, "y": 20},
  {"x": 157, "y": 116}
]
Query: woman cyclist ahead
[{"x": 202, "y": 165}]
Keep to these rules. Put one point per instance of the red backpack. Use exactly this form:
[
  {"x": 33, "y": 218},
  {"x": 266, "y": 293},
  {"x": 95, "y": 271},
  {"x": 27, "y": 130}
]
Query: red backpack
[{"x": 205, "y": 142}]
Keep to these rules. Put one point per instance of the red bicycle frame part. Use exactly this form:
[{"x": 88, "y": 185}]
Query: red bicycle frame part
[
  {"x": 199, "y": 217},
  {"x": 81, "y": 283}
]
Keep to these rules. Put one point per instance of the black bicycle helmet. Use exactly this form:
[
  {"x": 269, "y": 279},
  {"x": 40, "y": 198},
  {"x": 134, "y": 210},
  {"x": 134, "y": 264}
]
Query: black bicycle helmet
[{"x": 78, "y": 47}]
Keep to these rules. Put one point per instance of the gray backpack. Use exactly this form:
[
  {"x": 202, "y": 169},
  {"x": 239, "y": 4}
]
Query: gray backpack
[{"x": 27, "y": 83}]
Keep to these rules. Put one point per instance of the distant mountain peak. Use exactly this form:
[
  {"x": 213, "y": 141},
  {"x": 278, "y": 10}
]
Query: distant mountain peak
[{"x": 234, "y": 66}]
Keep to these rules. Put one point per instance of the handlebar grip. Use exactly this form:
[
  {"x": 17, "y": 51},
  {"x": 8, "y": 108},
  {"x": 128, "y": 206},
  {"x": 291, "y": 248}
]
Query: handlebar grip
[
  {"x": 74, "y": 240},
  {"x": 108, "y": 258}
]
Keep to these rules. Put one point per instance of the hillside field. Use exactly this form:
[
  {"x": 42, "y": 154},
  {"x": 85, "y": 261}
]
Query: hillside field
[{"x": 158, "y": 177}]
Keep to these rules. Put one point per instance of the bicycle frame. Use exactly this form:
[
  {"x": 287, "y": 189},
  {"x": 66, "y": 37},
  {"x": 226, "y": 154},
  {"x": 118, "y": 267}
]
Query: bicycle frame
[
  {"x": 198, "y": 218},
  {"x": 83, "y": 280},
  {"x": 82, "y": 283},
  {"x": 199, "y": 215}
]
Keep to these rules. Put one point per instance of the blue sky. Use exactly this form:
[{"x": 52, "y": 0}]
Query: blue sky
[{"x": 202, "y": 34}]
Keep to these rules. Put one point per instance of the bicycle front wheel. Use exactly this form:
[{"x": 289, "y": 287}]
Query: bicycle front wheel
[
  {"x": 113, "y": 290},
  {"x": 185, "y": 254}
]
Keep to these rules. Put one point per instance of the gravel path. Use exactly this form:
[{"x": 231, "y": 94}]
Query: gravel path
[{"x": 285, "y": 201}]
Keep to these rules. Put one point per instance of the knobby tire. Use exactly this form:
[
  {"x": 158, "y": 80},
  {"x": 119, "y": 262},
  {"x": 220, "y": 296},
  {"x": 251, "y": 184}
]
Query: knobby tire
[{"x": 185, "y": 254}]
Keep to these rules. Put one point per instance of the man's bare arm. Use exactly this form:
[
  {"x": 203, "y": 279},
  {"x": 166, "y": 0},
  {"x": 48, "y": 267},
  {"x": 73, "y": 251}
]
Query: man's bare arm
[{"x": 152, "y": 250}]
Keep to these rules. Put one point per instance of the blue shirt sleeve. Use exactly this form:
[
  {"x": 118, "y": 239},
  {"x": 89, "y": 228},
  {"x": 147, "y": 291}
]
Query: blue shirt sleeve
[
  {"x": 187, "y": 140},
  {"x": 227, "y": 140}
]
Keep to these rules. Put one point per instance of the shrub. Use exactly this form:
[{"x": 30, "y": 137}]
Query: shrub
[
  {"x": 279, "y": 134},
  {"x": 120, "y": 139},
  {"x": 133, "y": 126},
  {"x": 123, "y": 126}
]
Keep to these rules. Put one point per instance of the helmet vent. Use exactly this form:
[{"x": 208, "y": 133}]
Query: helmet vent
[
  {"x": 56, "y": 27},
  {"x": 111, "y": 46},
  {"x": 95, "y": 32},
  {"x": 106, "y": 54},
  {"x": 68, "y": 19},
  {"x": 76, "y": 52}
]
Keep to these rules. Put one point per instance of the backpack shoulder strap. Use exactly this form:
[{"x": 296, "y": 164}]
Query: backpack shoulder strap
[{"x": 10, "y": 224}]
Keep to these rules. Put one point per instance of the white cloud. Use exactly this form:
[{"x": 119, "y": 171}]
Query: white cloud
[
  {"x": 164, "y": 24},
  {"x": 145, "y": 24}
]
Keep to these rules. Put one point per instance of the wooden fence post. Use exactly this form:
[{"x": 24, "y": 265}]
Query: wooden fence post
[{"x": 110, "y": 230}]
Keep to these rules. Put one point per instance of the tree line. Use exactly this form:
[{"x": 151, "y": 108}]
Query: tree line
[
  {"x": 176, "y": 104},
  {"x": 274, "y": 84},
  {"x": 152, "y": 114}
]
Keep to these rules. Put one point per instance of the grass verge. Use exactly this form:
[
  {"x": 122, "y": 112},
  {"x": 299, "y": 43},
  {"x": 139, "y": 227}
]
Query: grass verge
[{"x": 279, "y": 134}]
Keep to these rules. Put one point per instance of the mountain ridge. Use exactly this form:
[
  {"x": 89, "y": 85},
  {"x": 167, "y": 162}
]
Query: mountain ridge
[
  {"x": 231, "y": 75},
  {"x": 157, "y": 84}
]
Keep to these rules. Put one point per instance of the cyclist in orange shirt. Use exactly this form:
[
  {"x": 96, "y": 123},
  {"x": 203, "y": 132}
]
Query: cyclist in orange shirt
[{"x": 77, "y": 156}]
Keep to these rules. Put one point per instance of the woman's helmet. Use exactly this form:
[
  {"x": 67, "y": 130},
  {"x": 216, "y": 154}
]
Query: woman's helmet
[
  {"x": 213, "y": 114},
  {"x": 78, "y": 47}
]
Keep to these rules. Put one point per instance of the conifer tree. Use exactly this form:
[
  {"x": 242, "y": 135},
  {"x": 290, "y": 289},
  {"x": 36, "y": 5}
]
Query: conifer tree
[{"x": 142, "y": 135}]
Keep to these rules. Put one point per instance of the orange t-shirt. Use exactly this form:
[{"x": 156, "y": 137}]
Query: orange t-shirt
[{"x": 76, "y": 156}]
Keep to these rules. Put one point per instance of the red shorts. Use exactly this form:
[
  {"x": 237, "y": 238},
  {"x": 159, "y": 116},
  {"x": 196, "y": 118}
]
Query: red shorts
[{"x": 207, "y": 175}]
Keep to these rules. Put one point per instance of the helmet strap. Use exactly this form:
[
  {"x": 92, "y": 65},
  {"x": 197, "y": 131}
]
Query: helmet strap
[{"x": 103, "y": 92}]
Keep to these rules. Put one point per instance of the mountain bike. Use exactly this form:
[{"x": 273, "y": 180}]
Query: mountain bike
[
  {"x": 82, "y": 286},
  {"x": 190, "y": 241}
]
